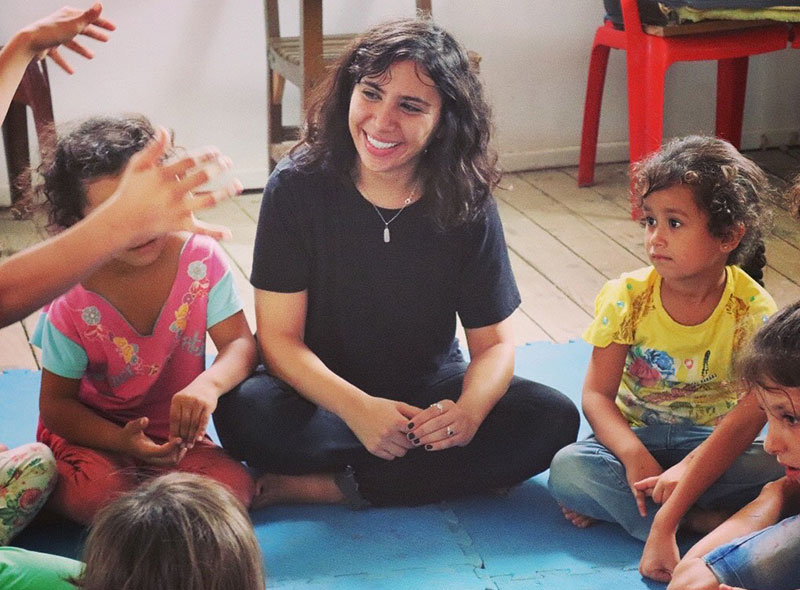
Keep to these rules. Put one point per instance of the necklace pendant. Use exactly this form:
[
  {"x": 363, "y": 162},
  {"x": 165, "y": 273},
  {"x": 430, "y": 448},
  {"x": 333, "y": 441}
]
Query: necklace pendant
[{"x": 386, "y": 236}]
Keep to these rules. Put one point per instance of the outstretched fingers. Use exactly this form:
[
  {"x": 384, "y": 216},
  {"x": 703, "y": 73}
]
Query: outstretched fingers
[
  {"x": 209, "y": 159},
  {"x": 217, "y": 232},
  {"x": 60, "y": 61}
]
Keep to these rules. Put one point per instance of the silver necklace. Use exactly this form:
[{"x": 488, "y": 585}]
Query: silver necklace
[{"x": 387, "y": 236}]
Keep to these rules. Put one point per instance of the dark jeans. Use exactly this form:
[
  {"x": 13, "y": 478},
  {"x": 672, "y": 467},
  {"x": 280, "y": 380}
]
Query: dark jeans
[{"x": 267, "y": 424}]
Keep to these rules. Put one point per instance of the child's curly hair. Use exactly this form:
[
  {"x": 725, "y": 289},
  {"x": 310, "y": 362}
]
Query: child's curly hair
[
  {"x": 86, "y": 150},
  {"x": 725, "y": 184}
]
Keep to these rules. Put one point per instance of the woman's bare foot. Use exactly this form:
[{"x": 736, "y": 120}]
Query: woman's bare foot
[
  {"x": 272, "y": 488},
  {"x": 576, "y": 518}
]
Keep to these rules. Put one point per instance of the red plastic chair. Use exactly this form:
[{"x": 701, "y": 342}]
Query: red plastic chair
[
  {"x": 794, "y": 36},
  {"x": 648, "y": 57},
  {"x": 33, "y": 92}
]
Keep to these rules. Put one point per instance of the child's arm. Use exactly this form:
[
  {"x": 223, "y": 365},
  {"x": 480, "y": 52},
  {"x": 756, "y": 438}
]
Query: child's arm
[
  {"x": 773, "y": 503},
  {"x": 64, "y": 414},
  {"x": 778, "y": 499},
  {"x": 44, "y": 37},
  {"x": 710, "y": 460},
  {"x": 609, "y": 425},
  {"x": 31, "y": 278},
  {"x": 236, "y": 358}
]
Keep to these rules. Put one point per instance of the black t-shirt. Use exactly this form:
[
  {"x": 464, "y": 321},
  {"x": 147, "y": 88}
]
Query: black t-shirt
[{"x": 380, "y": 315}]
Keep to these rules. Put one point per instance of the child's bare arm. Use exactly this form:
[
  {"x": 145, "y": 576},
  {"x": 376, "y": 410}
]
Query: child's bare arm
[
  {"x": 44, "y": 37},
  {"x": 64, "y": 414},
  {"x": 710, "y": 460},
  {"x": 776, "y": 500},
  {"x": 610, "y": 427},
  {"x": 236, "y": 358},
  {"x": 31, "y": 278}
]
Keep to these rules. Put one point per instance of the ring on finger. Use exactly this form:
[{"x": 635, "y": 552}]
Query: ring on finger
[
  {"x": 439, "y": 407},
  {"x": 450, "y": 431}
]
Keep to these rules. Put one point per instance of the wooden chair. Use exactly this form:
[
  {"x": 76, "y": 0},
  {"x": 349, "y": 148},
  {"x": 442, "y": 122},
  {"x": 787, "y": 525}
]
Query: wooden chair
[
  {"x": 34, "y": 93},
  {"x": 300, "y": 60},
  {"x": 649, "y": 53}
]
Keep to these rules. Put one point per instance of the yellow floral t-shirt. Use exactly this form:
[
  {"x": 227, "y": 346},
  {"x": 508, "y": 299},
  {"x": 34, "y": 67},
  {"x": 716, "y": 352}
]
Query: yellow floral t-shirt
[{"x": 676, "y": 373}]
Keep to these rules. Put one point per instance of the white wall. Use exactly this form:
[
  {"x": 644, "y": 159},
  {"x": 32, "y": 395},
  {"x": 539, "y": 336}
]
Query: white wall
[{"x": 198, "y": 66}]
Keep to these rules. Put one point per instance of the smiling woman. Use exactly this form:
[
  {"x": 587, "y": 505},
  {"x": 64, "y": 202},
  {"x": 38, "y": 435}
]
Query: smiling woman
[
  {"x": 365, "y": 396},
  {"x": 392, "y": 118}
]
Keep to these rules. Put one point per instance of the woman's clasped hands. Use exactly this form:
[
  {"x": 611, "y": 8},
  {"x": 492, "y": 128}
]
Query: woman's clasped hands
[
  {"x": 389, "y": 429},
  {"x": 442, "y": 425}
]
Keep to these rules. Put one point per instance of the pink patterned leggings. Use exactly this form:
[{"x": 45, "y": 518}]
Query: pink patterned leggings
[{"x": 27, "y": 476}]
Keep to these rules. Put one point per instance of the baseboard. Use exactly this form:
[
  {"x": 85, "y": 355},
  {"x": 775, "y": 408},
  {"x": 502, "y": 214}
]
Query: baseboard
[
  {"x": 252, "y": 178},
  {"x": 618, "y": 151}
]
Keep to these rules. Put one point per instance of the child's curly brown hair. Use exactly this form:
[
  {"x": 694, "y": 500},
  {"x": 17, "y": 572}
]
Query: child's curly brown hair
[
  {"x": 725, "y": 184},
  {"x": 86, "y": 150}
]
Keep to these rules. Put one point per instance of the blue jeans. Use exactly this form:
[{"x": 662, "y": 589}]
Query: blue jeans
[
  {"x": 768, "y": 559},
  {"x": 588, "y": 478}
]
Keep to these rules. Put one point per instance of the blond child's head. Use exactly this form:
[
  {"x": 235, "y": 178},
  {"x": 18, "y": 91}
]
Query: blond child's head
[{"x": 176, "y": 532}]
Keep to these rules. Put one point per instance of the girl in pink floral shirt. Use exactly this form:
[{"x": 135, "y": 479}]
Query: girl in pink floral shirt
[{"x": 125, "y": 393}]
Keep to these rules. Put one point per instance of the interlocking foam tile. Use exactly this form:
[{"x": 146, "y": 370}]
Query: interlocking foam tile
[
  {"x": 561, "y": 366},
  {"x": 524, "y": 539},
  {"x": 19, "y": 406},
  {"x": 516, "y": 542},
  {"x": 303, "y": 542}
]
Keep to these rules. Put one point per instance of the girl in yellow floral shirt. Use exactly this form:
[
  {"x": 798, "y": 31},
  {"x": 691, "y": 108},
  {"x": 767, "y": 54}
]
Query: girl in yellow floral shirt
[{"x": 660, "y": 376}]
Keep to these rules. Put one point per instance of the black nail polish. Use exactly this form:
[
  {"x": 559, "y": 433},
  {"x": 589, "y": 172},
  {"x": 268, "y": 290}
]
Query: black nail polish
[
  {"x": 411, "y": 436},
  {"x": 410, "y": 425},
  {"x": 415, "y": 441},
  {"x": 428, "y": 447}
]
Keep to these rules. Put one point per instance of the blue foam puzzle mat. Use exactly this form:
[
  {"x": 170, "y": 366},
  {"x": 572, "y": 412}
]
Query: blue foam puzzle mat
[{"x": 518, "y": 541}]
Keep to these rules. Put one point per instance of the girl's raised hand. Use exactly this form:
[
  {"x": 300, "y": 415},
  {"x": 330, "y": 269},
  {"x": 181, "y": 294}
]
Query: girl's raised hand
[
  {"x": 45, "y": 36},
  {"x": 442, "y": 425},
  {"x": 144, "y": 448},
  {"x": 189, "y": 413},
  {"x": 154, "y": 197}
]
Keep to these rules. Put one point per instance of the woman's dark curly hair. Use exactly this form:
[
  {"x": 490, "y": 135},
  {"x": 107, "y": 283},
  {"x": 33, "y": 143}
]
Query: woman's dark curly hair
[
  {"x": 86, "y": 150},
  {"x": 725, "y": 184},
  {"x": 459, "y": 169}
]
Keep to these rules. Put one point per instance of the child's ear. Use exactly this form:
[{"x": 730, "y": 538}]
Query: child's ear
[{"x": 733, "y": 237}]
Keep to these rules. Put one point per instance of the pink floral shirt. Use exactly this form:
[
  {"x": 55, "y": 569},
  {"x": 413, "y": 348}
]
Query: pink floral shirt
[{"x": 126, "y": 375}]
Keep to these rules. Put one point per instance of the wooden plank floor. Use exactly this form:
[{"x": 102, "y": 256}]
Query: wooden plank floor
[{"x": 564, "y": 243}]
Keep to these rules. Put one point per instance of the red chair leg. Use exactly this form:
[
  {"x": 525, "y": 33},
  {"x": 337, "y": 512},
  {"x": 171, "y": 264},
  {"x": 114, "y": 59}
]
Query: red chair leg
[
  {"x": 591, "y": 114},
  {"x": 731, "y": 88},
  {"x": 645, "y": 109}
]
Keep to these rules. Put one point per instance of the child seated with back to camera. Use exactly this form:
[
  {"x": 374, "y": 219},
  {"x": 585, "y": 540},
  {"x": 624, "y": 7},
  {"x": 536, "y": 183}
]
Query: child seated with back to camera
[
  {"x": 660, "y": 378},
  {"x": 178, "y": 531},
  {"x": 125, "y": 393}
]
